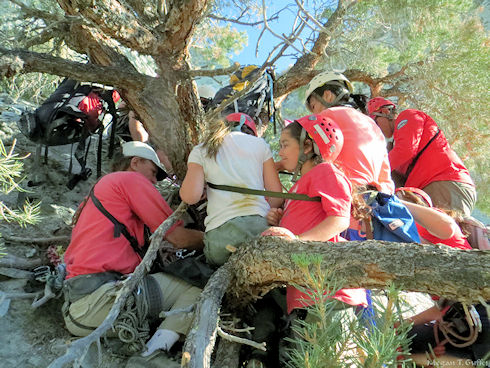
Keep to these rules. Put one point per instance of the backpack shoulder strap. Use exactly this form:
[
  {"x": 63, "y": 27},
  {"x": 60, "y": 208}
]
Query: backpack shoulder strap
[
  {"x": 119, "y": 227},
  {"x": 416, "y": 158},
  {"x": 265, "y": 193}
]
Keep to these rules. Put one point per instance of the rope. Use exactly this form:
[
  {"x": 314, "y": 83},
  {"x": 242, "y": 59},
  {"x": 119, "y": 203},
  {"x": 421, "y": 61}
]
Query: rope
[
  {"x": 447, "y": 329},
  {"x": 132, "y": 326}
]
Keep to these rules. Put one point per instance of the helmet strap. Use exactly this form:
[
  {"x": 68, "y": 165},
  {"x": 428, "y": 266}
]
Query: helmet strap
[
  {"x": 238, "y": 128},
  {"x": 302, "y": 156},
  {"x": 335, "y": 102}
]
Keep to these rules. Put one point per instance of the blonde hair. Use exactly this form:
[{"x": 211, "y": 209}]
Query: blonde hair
[{"x": 215, "y": 134}]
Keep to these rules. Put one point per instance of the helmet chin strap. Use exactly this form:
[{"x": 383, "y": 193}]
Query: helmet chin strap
[{"x": 302, "y": 156}]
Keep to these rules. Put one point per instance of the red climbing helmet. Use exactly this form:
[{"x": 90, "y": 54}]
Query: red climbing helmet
[
  {"x": 242, "y": 119},
  {"x": 375, "y": 104},
  {"x": 419, "y": 192},
  {"x": 326, "y": 134}
]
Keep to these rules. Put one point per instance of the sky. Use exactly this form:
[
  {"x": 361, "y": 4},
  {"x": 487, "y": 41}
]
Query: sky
[{"x": 267, "y": 41}]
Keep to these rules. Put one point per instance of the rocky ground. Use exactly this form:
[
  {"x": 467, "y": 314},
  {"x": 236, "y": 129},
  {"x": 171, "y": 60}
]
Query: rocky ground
[{"x": 34, "y": 337}]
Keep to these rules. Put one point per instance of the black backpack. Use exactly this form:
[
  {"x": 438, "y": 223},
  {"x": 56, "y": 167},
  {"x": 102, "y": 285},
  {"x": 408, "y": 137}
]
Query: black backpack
[
  {"x": 59, "y": 121},
  {"x": 259, "y": 98}
]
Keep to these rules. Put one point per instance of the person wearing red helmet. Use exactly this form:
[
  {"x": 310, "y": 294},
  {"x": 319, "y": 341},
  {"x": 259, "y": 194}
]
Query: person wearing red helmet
[
  {"x": 421, "y": 154},
  {"x": 231, "y": 154},
  {"x": 309, "y": 146}
]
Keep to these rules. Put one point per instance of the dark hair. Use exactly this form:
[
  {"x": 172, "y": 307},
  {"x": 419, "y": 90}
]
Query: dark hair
[
  {"x": 335, "y": 89},
  {"x": 357, "y": 101},
  {"x": 119, "y": 161}
]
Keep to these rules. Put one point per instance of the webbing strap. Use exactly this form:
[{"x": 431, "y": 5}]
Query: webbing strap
[
  {"x": 265, "y": 193},
  {"x": 119, "y": 227},
  {"x": 416, "y": 158}
]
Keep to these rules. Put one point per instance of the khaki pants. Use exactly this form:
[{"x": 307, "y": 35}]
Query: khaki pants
[
  {"x": 86, "y": 314},
  {"x": 452, "y": 195},
  {"x": 233, "y": 232}
]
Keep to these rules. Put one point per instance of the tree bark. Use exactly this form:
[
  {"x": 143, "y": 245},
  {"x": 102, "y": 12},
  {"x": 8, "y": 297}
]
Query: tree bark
[
  {"x": 227, "y": 355},
  {"x": 202, "y": 336},
  {"x": 462, "y": 275}
]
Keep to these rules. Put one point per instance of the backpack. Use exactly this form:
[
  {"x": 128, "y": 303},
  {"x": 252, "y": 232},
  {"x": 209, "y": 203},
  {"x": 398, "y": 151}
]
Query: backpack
[
  {"x": 478, "y": 233},
  {"x": 258, "y": 98},
  {"x": 390, "y": 220},
  {"x": 69, "y": 116}
]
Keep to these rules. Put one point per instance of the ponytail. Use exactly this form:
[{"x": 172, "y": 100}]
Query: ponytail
[
  {"x": 359, "y": 102},
  {"x": 214, "y": 136}
]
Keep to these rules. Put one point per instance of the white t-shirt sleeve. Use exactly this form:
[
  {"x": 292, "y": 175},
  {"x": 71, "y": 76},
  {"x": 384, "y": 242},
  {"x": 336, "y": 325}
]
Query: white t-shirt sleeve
[
  {"x": 196, "y": 155},
  {"x": 267, "y": 151}
]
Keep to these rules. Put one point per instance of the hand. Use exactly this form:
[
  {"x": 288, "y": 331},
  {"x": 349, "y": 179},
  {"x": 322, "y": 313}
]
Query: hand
[
  {"x": 439, "y": 350},
  {"x": 279, "y": 231},
  {"x": 274, "y": 216},
  {"x": 279, "y": 165},
  {"x": 162, "y": 339}
]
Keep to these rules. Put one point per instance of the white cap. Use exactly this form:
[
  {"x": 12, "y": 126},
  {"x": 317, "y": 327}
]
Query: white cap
[{"x": 140, "y": 149}]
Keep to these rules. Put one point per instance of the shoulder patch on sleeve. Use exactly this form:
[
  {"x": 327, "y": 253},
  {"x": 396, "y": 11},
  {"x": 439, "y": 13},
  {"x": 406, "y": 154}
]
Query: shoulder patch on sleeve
[{"x": 401, "y": 124}]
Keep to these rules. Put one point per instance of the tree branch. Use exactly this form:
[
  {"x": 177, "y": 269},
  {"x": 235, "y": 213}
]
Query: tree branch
[
  {"x": 18, "y": 61},
  {"x": 434, "y": 269},
  {"x": 201, "y": 338},
  {"x": 213, "y": 72},
  {"x": 241, "y": 340},
  {"x": 37, "y": 13},
  {"x": 64, "y": 239},
  {"x": 115, "y": 21},
  {"x": 268, "y": 262},
  {"x": 252, "y": 24},
  {"x": 302, "y": 71},
  {"x": 79, "y": 347},
  {"x": 181, "y": 20}
]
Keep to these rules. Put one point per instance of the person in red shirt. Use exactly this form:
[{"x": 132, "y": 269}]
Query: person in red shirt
[
  {"x": 311, "y": 145},
  {"x": 422, "y": 155},
  {"x": 308, "y": 147},
  {"x": 363, "y": 158},
  {"x": 100, "y": 255}
]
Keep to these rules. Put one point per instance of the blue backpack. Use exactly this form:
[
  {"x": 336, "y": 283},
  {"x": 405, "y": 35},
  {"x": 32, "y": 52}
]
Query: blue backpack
[{"x": 391, "y": 220}]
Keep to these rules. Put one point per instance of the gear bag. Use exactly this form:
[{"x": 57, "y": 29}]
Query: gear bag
[
  {"x": 69, "y": 116},
  {"x": 391, "y": 219},
  {"x": 259, "y": 97}
]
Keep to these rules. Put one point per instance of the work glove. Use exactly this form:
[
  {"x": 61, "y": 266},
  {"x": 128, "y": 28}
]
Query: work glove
[{"x": 161, "y": 339}]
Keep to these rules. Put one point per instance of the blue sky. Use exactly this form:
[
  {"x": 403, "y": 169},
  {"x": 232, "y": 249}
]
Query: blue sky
[{"x": 268, "y": 41}]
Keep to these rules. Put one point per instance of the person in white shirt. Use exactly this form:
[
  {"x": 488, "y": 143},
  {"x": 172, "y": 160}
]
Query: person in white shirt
[{"x": 231, "y": 154}]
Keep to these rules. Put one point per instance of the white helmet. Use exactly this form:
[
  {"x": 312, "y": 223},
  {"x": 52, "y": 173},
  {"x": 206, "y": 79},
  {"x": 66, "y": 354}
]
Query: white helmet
[
  {"x": 206, "y": 91},
  {"x": 323, "y": 78}
]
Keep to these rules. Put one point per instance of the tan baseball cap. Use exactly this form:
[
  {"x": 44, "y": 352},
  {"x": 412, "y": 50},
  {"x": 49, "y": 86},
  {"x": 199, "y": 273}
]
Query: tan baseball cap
[{"x": 143, "y": 150}]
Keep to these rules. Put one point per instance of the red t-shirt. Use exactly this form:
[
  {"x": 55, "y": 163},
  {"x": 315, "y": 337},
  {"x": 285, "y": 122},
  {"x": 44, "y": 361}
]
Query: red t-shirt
[
  {"x": 331, "y": 185},
  {"x": 324, "y": 181},
  {"x": 364, "y": 158},
  {"x": 413, "y": 130},
  {"x": 133, "y": 200}
]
